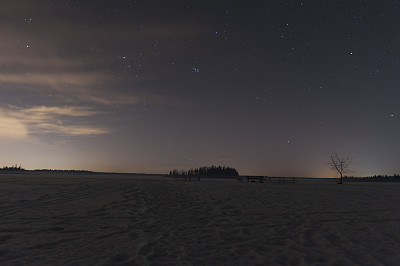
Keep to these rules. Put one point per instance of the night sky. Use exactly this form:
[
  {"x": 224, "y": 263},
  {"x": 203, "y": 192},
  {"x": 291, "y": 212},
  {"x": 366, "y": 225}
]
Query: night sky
[{"x": 266, "y": 87}]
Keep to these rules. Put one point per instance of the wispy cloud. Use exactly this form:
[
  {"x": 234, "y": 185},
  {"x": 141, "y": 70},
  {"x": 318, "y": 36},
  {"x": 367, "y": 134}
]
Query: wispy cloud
[
  {"x": 89, "y": 89},
  {"x": 64, "y": 121},
  {"x": 74, "y": 111},
  {"x": 50, "y": 84},
  {"x": 81, "y": 70},
  {"x": 12, "y": 128},
  {"x": 56, "y": 81},
  {"x": 66, "y": 130}
]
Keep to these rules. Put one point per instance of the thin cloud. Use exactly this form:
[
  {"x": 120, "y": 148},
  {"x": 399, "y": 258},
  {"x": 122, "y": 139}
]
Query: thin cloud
[
  {"x": 45, "y": 112},
  {"x": 56, "y": 72},
  {"x": 91, "y": 88},
  {"x": 55, "y": 81},
  {"x": 50, "y": 120},
  {"x": 67, "y": 130},
  {"x": 57, "y": 85},
  {"x": 12, "y": 128},
  {"x": 147, "y": 99}
]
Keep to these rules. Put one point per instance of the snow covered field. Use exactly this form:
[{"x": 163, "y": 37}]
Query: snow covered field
[{"x": 121, "y": 220}]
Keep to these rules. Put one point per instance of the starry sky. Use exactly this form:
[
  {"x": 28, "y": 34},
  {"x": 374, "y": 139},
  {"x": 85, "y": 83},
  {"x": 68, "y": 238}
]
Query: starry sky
[{"x": 266, "y": 87}]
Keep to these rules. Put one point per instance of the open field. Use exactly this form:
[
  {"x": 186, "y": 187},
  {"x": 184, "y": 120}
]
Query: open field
[{"x": 66, "y": 219}]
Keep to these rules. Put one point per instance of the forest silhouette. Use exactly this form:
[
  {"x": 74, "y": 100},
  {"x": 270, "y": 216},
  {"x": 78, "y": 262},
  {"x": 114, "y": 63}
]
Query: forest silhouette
[{"x": 206, "y": 171}]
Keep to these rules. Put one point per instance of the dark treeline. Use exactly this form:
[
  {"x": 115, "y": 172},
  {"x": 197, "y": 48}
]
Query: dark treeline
[
  {"x": 62, "y": 171},
  {"x": 375, "y": 178},
  {"x": 206, "y": 171},
  {"x": 14, "y": 168}
]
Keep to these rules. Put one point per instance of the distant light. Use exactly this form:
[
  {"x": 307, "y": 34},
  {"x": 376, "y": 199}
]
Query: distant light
[
  {"x": 27, "y": 46},
  {"x": 196, "y": 70}
]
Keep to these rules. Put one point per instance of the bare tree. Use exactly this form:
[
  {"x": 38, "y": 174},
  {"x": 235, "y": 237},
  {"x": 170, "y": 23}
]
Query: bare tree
[{"x": 340, "y": 164}]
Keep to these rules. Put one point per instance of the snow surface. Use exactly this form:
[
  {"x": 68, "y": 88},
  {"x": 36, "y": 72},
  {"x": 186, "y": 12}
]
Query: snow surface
[{"x": 62, "y": 219}]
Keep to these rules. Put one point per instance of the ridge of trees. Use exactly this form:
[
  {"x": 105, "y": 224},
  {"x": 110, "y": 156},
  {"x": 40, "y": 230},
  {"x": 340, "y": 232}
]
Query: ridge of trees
[
  {"x": 14, "y": 168},
  {"x": 62, "y": 171},
  {"x": 374, "y": 178},
  {"x": 206, "y": 171}
]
